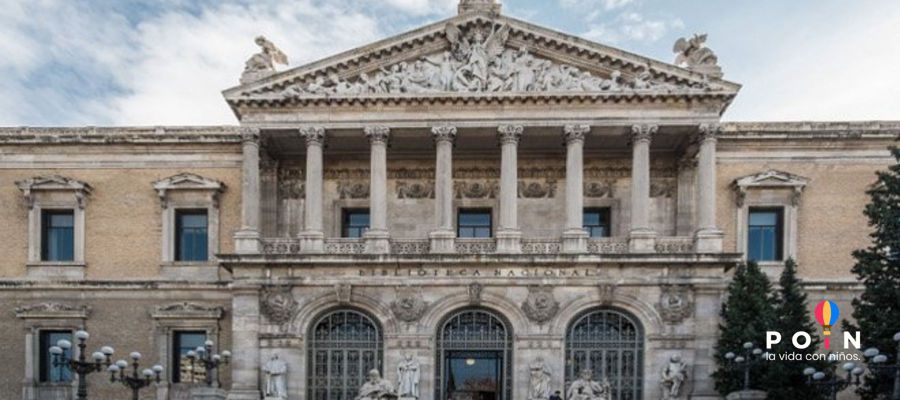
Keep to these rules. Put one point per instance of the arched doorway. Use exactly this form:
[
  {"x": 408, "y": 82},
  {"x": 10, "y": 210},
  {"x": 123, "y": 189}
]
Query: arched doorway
[
  {"x": 344, "y": 345},
  {"x": 474, "y": 357},
  {"x": 611, "y": 344}
]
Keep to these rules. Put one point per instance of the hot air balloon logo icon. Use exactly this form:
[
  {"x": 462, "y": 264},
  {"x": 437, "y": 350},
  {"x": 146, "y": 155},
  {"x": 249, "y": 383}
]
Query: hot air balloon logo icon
[{"x": 827, "y": 313}]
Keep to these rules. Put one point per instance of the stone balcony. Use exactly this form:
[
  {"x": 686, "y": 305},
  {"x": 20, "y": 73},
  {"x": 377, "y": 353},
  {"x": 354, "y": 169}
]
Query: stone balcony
[{"x": 465, "y": 246}]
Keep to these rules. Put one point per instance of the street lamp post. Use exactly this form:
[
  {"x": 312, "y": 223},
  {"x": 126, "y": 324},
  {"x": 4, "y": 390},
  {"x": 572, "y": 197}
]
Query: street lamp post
[
  {"x": 135, "y": 382},
  {"x": 878, "y": 363},
  {"x": 744, "y": 363},
  {"x": 210, "y": 362},
  {"x": 82, "y": 366},
  {"x": 834, "y": 384}
]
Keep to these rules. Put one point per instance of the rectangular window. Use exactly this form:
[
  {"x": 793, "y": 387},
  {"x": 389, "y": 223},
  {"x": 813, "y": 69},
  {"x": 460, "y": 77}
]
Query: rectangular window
[
  {"x": 765, "y": 234},
  {"x": 474, "y": 223},
  {"x": 191, "y": 239},
  {"x": 50, "y": 373},
  {"x": 58, "y": 235},
  {"x": 355, "y": 222},
  {"x": 182, "y": 343},
  {"x": 597, "y": 222}
]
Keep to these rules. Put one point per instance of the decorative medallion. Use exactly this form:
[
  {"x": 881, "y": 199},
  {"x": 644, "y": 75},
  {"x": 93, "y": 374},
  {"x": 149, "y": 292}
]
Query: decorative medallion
[
  {"x": 598, "y": 189},
  {"x": 474, "y": 291},
  {"x": 537, "y": 190},
  {"x": 353, "y": 190},
  {"x": 409, "y": 305},
  {"x": 675, "y": 303},
  {"x": 343, "y": 292},
  {"x": 476, "y": 190},
  {"x": 540, "y": 306},
  {"x": 415, "y": 190},
  {"x": 277, "y": 303}
]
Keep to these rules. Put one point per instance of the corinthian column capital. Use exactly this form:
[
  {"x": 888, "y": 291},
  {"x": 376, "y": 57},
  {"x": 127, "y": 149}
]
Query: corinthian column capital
[
  {"x": 643, "y": 133},
  {"x": 249, "y": 135},
  {"x": 377, "y": 134},
  {"x": 444, "y": 133},
  {"x": 510, "y": 134},
  {"x": 575, "y": 132},
  {"x": 314, "y": 135},
  {"x": 709, "y": 132}
]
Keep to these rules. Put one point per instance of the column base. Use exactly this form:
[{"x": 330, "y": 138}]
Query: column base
[
  {"x": 442, "y": 242},
  {"x": 708, "y": 241},
  {"x": 377, "y": 241},
  {"x": 642, "y": 241},
  {"x": 210, "y": 393},
  {"x": 574, "y": 241},
  {"x": 509, "y": 242},
  {"x": 246, "y": 241},
  {"x": 312, "y": 242},
  {"x": 747, "y": 395}
]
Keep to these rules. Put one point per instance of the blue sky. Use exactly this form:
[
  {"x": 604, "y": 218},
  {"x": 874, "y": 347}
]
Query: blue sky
[{"x": 164, "y": 62}]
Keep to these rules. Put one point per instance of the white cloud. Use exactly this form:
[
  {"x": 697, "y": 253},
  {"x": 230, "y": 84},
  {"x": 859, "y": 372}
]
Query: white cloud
[
  {"x": 632, "y": 26},
  {"x": 605, "y": 4}
]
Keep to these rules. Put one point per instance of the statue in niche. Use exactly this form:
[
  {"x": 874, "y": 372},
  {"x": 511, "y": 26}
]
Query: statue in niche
[
  {"x": 376, "y": 388},
  {"x": 540, "y": 381},
  {"x": 408, "y": 378},
  {"x": 276, "y": 377},
  {"x": 673, "y": 377},
  {"x": 586, "y": 388}
]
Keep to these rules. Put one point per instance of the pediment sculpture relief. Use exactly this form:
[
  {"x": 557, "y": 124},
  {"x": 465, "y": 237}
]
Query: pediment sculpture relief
[{"x": 478, "y": 60}]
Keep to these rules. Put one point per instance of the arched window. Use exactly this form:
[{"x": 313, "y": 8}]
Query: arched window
[
  {"x": 343, "y": 346},
  {"x": 474, "y": 356},
  {"x": 610, "y": 343}
]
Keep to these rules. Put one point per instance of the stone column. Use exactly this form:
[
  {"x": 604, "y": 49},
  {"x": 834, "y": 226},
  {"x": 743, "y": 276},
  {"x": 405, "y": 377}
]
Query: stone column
[
  {"x": 642, "y": 238},
  {"x": 377, "y": 237},
  {"x": 245, "y": 343},
  {"x": 246, "y": 240},
  {"x": 312, "y": 239},
  {"x": 442, "y": 238},
  {"x": 575, "y": 237},
  {"x": 708, "y": 238},
  {"x": 508, "y": 234}
]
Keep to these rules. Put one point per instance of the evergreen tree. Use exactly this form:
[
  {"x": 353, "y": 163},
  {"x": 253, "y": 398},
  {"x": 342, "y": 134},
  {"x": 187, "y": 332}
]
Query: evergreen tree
[
  {"x": 785, "y": 379},
  {"x": 877, "y": 310},
  {"x": 746, "y": 315}
]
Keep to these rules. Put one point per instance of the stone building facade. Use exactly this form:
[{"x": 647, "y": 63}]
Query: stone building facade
[{"x": 478, "y": 116}]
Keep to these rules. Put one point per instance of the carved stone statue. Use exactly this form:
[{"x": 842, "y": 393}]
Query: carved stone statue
[
  {"x": 673, "y": 377},
  {"x": 408, "y": 373},
  {"x": 693, "y": 54},
  {"x": 276, "y": 378},
  {"x": 540, "y": 381},
  {"x": 586, "y": 388},
  {"x": 263, "y": 63},
  {"x": 376, "y": 388}
]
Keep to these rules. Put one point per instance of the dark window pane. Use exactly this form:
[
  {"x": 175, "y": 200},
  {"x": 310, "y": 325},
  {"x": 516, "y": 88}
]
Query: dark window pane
[
  {"x": 355, "y": 223},
  {"x": 474, "y": 224},
  {"x": 58, "y": 235},
  {"x": 765, "y": 235},
  {"x": 182, "y": 343},
  {"x": 597, "y": 222},
  {"x": 191, "y": 237},
  {"x": 49, "y": 372}
]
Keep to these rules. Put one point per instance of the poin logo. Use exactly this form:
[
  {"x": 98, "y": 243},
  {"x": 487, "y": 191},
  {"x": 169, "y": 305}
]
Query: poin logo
[{"x": 827, "y": 314}]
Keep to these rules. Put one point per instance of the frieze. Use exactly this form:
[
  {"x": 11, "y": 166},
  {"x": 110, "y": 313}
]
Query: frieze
[
  {"x": 353, "y": 190},
  {"x": 409, "y": 305},
  {"x": 468, "y": 273},
  {"x": 277, "y": 304},
  {"x": 599, "y": 189},
  {"x": 537, "y": 190},
  {"x": 476, "y": 189},
  {"x": 540, "y": 306},
  {"x": 415, "y": 190}
]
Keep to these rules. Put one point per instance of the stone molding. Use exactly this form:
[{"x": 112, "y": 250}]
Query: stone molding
[
  {"x": 53, "y": 310},
  {"x": 188, "y": 310},
  {"x": 121, "y": 135},
  {"x": 769, "y": 179},
  {"x": 54, "y": 183},
  {"x": 188, "y": 181}
]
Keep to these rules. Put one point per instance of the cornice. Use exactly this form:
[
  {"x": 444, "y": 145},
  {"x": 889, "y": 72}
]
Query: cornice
[{"x": 121, "y": 135}]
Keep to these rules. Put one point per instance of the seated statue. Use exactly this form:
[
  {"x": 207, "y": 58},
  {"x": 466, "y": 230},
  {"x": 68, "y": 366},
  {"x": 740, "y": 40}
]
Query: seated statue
[
  {"x": 586, "y": 388},
  {"x": 376, "y": 388}
]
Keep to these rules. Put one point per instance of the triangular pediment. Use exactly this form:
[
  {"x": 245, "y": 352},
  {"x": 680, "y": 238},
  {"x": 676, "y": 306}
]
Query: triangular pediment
[
  {"x": 479, "y": 55},
  {"x": 771, "y": 178}
]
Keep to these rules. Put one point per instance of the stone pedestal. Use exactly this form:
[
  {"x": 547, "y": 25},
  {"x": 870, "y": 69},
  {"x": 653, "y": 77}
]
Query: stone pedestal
[
  {"x": 312, "y": 242},
  {"x": 747, "y": 395},
  {"x": 246, "y": 242},
  {"x": 575, "y": 241},
  {"x": 377, "y": 241},
  {"x": 708, "y": 241},
  {"x": 642, "y": 241},
  {"x": 442, "y": 242},
  {"x": 509, "y": 242},
  {"x": 212, "y": 393}
]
